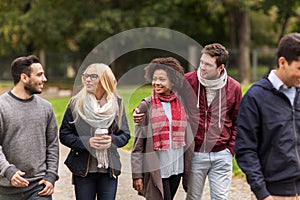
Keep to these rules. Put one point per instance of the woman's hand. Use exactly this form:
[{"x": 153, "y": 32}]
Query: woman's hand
[
  {"x": 138, "y": 184},
  {"x": 100, "y": 142}
]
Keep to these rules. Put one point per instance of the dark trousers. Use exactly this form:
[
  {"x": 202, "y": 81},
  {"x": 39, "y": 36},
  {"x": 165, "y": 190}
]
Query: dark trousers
[
  {"x": 100, "y": 184},
  {"x": 170, "y": 186}
]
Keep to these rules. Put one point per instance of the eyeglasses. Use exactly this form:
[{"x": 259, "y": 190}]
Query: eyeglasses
[{"x": 93, "y": 77}]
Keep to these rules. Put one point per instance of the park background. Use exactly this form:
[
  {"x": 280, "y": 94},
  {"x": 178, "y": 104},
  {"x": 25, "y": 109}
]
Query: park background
[{"x": 63, "y": 32}]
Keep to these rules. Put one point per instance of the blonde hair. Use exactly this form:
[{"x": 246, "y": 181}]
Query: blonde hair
[{"x": 107, "y": 80}]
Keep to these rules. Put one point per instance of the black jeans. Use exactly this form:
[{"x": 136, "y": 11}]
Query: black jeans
[
  {"x": 100, "y": 184},
  {"x": 170, "y": 186}
]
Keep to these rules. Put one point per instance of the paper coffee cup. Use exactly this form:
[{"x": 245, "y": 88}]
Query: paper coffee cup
[{"x": 101, "y": 131}]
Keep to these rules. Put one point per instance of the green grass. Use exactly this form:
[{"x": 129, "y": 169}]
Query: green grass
[
  {"x": 59, "y": 107},
  {"x": 5, "y": 84},
  {"x": 131, "y": 97}
]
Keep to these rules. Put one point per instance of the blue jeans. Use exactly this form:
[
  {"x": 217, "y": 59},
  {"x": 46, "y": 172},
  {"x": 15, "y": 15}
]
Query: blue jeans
[
  {"x": 218, "y": 167},
  {"x": 100, "y": 184},
  {"x": 28, "y": 195}
]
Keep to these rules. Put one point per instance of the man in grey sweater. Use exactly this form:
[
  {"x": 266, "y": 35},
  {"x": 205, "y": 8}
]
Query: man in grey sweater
[{"x": 28, "y": 136}]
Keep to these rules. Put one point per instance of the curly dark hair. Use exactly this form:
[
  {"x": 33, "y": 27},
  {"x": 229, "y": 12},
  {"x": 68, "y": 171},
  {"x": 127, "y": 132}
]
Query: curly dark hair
[{"x": 172, "y": 66}]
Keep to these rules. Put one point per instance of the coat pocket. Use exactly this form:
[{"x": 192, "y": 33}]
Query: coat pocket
[{"x": 77, "y": 162}]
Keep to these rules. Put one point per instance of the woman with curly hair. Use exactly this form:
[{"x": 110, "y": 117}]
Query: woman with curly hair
[{"x": 162, "y": 146}]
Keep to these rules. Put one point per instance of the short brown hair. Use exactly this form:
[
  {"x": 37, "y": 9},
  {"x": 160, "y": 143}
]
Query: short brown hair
[
  {"x": 289, "y": 47},
  {"x": 171, "y": 65},
  {"x": 217, "y": 50}
]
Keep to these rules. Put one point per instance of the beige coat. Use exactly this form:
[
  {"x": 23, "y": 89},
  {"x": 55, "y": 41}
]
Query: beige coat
[{"x": 144, "y": 159}]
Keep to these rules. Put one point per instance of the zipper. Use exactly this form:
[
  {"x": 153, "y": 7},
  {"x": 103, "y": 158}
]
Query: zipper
[
  {"x": 112, "y": 128},
  {"x": 294, "y": 127},
  {"x": 88, "y": 165},
  {"x": 205, "y": 132},
  {"x": 89, "y": 158},
  {"x": 296, "y": 135},
  {"x": 295, "y": 187},
  {"x": 205, "y": 124},
  {"x": 112, "y": 167}
]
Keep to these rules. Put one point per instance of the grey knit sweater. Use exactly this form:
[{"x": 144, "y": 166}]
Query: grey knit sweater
[{"x": 28, "y": 141}]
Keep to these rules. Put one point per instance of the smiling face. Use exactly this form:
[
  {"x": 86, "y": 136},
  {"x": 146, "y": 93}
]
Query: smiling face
[
  {"x": 289, "y": 73},
  {"x": 35, "y": 83},
  {"x": 160, "y": 82},
  {"x": 208, "y": 67}
]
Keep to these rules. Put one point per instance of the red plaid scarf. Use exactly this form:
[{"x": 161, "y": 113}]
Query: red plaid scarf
[{"x": 160, "y": 122}]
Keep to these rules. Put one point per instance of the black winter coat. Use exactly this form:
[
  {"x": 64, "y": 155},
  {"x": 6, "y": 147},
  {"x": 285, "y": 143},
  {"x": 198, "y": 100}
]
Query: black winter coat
[{"x": 80, "y": 154}]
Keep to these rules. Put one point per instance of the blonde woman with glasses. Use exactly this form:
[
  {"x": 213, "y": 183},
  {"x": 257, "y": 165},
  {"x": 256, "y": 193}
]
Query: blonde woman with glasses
[{"x": 93, "y": 127}]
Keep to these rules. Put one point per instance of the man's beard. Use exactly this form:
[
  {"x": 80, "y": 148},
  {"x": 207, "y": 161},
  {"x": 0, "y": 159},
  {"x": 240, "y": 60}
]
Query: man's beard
[{"x": 30, "y": 89}]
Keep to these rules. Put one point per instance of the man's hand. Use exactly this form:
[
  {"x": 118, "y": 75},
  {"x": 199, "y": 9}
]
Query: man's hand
[
  {"x": 48, "y": 189},
  {"x": 137, "y": 116},
  {"x": 100, "y": 142},
  {"x": 138, "y": 184},
  {"x": 18, "y": 181}
]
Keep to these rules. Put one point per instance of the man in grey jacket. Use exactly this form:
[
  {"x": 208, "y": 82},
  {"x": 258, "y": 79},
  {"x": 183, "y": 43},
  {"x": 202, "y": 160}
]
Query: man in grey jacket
[{"x": 28, "y": 136}]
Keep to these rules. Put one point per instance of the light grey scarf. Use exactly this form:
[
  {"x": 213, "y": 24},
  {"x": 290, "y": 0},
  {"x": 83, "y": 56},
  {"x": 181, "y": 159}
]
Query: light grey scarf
[
  {"x": 213, "y": 84},
  {"x": 211, "y": 87},
  {"x": 101, "y": 117}
]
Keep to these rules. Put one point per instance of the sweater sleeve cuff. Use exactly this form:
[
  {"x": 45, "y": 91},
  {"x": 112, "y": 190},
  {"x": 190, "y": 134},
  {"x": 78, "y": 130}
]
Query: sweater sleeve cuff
[
  {"x": 113, "y": 139},
  {"x": 51, "y": 178},
  {"x": 261, "y": 193},
  {"x": 10, "y": 171}
]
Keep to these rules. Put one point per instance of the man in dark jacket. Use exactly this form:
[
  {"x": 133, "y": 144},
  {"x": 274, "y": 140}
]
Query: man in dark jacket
[{"x": 268, "y": 141}]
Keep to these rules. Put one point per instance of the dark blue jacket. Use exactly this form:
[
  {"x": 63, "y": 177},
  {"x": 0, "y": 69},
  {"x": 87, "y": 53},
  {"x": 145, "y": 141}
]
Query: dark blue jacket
[
  {"x": 268, "y": 141},
  {"x": 80, "y": 154}
]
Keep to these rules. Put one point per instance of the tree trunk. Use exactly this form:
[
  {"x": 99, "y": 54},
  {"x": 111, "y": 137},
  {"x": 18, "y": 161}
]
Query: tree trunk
[
  {"x": 239, "y": 26},
  {"x": 244, "y": 46},
  {"x": 284, "y": 25}
]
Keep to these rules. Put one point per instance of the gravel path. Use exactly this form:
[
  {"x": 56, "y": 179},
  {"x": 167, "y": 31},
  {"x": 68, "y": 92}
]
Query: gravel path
[{"x": 64, "y": 189}]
